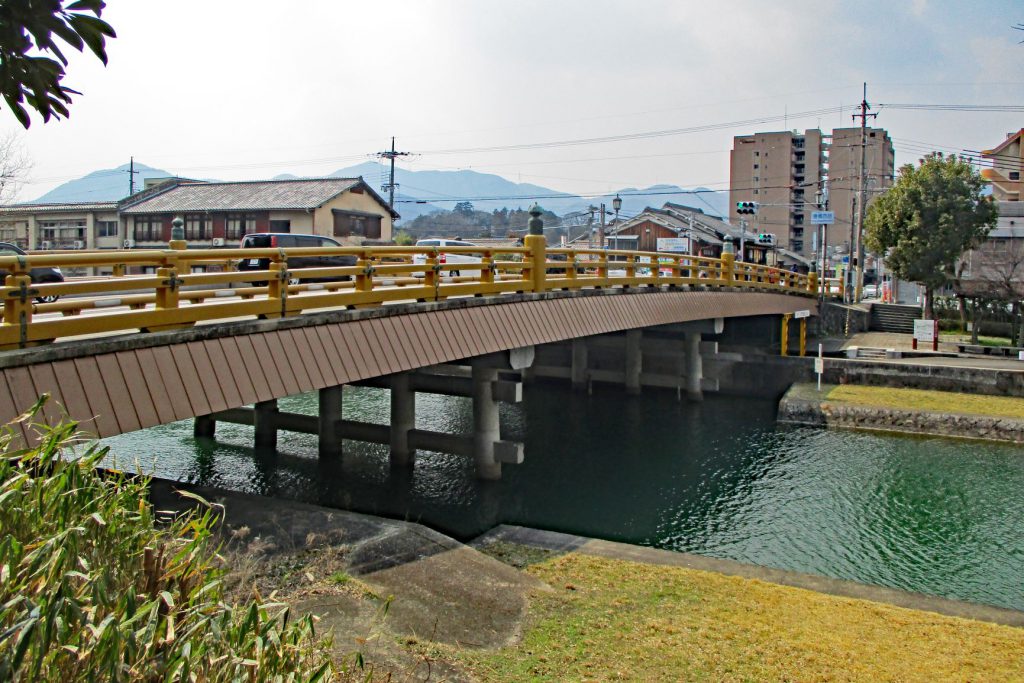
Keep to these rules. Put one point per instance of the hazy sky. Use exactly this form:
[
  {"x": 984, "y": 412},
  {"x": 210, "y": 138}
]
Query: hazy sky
[{"x": 236, "y": 90}]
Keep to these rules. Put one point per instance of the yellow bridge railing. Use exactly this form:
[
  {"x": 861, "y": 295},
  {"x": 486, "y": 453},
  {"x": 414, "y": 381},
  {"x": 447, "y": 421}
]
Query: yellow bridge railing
[{"x": 174, "y": 295}]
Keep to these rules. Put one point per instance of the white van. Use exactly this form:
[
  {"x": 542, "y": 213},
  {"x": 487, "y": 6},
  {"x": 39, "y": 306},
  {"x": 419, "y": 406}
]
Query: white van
[{"x": 443, "y": 257}]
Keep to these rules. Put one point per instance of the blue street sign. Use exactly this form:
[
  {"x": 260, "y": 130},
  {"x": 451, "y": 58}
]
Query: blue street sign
[{"x": 823, "y": 217}]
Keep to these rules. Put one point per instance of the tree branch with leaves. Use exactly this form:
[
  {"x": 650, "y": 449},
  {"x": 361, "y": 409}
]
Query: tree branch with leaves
[
  {"x": 31, "y": 29},
  {"x": 928, "y": 219}
]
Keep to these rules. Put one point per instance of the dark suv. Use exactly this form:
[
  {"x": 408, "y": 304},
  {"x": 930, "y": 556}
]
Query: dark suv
[
  {"x": 38, "y": 275},
  {"x": 287, "y": 240}
]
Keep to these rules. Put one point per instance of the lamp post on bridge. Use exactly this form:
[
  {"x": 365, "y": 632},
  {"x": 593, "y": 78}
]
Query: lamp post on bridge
[{"x": 178, "y": 234}]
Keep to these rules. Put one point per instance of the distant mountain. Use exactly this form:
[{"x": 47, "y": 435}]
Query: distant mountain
[
  {"x": 422, "y": 192},
  {"x": 107, "y": 185},
  {"x": 488, "y": 192}
]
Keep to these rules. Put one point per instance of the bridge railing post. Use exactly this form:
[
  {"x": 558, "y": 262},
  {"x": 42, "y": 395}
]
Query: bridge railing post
[
  {"x": 812, "y": 282},
  {"x": 728, "y": 260},
  {"x": 487, "y": 271},
  {"x": 364, "y": 278},
  {"x": 18, "y": 305},
  {"x": 430, "y": 271},
  {"x": 277, "y": 283},
  {"x": 167, "y": 292},
  {"x": 602, "y": 267},
  {"x": 536, "y": 245}
]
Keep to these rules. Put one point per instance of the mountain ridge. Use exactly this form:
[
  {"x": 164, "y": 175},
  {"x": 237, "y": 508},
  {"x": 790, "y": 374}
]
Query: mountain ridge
[{"x": 424, "y": 191}]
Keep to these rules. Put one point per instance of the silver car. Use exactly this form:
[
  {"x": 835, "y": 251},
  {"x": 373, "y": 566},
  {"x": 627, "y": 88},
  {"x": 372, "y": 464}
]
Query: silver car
[{"x": 444, "y": 257}]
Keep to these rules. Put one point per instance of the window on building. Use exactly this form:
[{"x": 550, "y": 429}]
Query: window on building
[
  {"x": 1014, "y": 175},
  {"x": 14, "y": 232},
  {"x": 198, "y": 227},
  {"x": 62, "y": 234},
  {"x": 149, "y": 229},
  {"x": 356, "y": 223},
  {"x": 797, "y": 245},
  {"x": 238, "y": 225},
  {"x": 756, "y": 166},
  {"x": 106, "y": 228},
  {"x": 281, "y": 226},
  {"x": 755, "y": 191}
]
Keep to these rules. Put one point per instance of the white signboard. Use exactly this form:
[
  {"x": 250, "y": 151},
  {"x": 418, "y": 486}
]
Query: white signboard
[
  {"x": 819, "y": 365},
  {"x": 924, "y": 330},
  {"x": 802, "y": 314},
  {"x": 823, "y": 217},
  {"x": 675, "y": 244}
]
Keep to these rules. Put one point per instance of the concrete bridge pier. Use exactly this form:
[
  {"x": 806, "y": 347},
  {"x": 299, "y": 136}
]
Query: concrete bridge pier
[
  {"x": 486, "y": 423},
  {"x": 403, "y": 419},
  {"x": 694, "y": 366},
  {"x": 578, "y": 371},
  {"x": 634, "y": 361},
  {"x": 264, "y": 420},
  {"x": 328, "y": 419}
]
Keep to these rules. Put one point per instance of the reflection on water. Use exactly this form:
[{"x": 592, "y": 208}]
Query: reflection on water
[{"x": 718, "y": 478}]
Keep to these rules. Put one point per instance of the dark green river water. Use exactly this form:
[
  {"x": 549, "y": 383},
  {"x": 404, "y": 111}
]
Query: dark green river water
[{"x": 937, "y": 516}]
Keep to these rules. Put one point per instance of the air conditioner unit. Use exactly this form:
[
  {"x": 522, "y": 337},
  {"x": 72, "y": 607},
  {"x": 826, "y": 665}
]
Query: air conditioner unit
[
  {"x": 218, "y": 241},
  {"x": 129, "y": 244},
  {"x": 47, "y": 244},
  {"x": 79, "y": 244}
]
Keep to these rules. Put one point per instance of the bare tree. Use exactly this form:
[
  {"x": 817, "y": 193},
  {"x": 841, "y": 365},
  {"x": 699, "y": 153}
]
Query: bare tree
[
  {"x": 15, "y": 166},
  {"x": 995, "y": 274}
]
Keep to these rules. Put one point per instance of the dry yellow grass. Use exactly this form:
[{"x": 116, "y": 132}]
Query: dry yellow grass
[
  {"x": 617, "y": 620},
  {"x": 921, "y": 399}
]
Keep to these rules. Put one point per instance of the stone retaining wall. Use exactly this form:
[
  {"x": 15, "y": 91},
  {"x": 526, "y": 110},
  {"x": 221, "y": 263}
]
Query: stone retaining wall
[{"x": 796, "y": 410}]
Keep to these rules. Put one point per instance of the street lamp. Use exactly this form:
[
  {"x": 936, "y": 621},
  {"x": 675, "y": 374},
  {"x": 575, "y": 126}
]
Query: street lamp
[{"x": 616, "y": 205}]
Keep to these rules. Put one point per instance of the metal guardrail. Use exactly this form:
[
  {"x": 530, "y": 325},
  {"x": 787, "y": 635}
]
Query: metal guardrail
[{"x": 175, "y": 297}]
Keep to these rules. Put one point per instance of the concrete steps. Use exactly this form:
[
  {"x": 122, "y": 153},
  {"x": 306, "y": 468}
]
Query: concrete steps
[
  {"x": 893, "y": 318},
  {"x": 865, "y": 353}
]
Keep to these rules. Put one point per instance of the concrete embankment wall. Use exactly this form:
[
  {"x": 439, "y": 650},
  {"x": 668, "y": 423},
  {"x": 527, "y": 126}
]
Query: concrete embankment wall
[
  {"x": 971, "y": 380},
  {"x": 802, "y": 405}
]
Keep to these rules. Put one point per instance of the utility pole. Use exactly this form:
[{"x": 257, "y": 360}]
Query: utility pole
[
  {"x": 863, "y": 190},
  {"x": 601, "y": 229},
  {"x": 131, "y": 176},
  {"x": 390, "y": 186}
]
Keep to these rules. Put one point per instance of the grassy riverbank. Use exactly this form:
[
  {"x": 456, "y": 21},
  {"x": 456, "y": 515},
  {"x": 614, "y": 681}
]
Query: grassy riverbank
[
  {"x": 607, "y": 619},
  {"x": 923, "y": 399}
]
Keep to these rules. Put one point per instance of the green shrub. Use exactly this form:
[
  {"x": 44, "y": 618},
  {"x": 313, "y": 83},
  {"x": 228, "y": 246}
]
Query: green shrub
[{"x": 94, "y": 588}]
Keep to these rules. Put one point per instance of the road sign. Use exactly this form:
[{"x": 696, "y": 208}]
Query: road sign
[
  {"x": 823, "y": 217},
  {"x": 802, "y": 314},
  {"x": 676, "y": 244}
]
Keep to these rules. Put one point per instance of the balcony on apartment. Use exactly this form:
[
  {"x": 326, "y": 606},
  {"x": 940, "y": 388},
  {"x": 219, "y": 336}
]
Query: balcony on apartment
[{"x": 1005, "y": 180}]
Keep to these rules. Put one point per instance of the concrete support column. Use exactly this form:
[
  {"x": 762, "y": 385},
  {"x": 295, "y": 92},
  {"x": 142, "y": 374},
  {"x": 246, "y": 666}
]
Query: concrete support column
[
  {"x": 634, "y": 361},
  {"x": 329, "y": 443},
  {"x": 694, "y": 366},
  {"x": 265, "y": 421},
  {"x": 204, "y": 427},
  {"x": 579, "y": 364},
  {"x": 403, "y": 419},
  {"x": 486, "y": 423}
]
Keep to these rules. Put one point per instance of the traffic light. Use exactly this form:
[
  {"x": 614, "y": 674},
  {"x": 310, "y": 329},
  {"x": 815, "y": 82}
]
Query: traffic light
[
  {"x": 766, "y": 238},
  {"x": 746, "y": 207}
]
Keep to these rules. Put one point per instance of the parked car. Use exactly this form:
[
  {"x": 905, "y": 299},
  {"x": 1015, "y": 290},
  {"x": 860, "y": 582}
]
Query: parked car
[
  {"x": 444, "y": 257},
  {"x": 287, "y": 240},
  {"x": 870, "y": 292},
  {"x": 38, "y": 275}
]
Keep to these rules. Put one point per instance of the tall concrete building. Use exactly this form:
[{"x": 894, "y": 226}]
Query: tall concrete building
[
  {"x": 785, "y": 171},
  {"x": 782, "y": 172},
  {"x": 844, "y": 177}
]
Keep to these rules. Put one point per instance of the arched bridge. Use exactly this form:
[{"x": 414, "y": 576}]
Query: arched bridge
[{"x": 131, "y": 351}]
